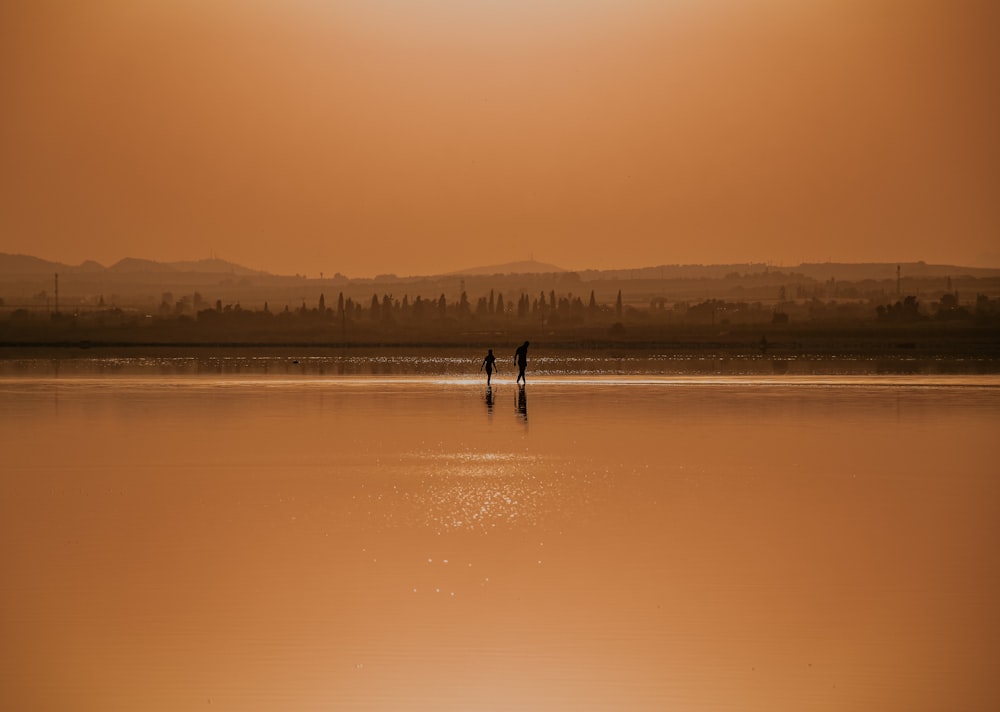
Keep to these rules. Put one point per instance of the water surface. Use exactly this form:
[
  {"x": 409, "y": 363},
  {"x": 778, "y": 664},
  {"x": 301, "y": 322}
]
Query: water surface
[{"x": 640, "y": 540}]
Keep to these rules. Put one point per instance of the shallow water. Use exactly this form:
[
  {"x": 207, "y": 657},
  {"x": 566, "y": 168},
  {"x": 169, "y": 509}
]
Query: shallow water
[
  {"x": 252, "y": 540},
  {"x": 461, "y": 363}
]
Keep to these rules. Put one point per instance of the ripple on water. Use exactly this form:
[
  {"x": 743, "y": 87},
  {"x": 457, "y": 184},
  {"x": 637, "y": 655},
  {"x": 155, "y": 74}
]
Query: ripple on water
[{"x": 485, "y": 491}]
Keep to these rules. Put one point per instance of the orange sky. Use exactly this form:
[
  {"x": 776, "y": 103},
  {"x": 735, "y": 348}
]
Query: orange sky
[{"x": 418, "y": 137}]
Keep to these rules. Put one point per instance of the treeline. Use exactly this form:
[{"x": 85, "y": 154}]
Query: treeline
[
  {"x": 550, "y": 308},
  {"x": 546, "y": 308},
  {"x": 548, "y": 316},
  {"x": 387, "y": 315},
  {"x": 388, "y": 309}
]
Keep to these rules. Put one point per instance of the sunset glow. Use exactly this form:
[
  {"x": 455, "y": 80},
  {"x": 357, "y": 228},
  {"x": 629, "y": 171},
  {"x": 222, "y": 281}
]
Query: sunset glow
[{"x": 425, "y": 137}]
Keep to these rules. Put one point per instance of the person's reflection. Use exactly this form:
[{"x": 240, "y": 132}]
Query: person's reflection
[
  {"x": 489, "y": 400},
  {"x": 522, "y": 404}
]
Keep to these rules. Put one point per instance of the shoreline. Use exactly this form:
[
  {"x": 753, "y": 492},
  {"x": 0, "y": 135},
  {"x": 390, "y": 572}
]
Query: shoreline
[{"x": 551, "y": 359}]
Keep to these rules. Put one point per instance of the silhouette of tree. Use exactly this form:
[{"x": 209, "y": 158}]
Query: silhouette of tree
[
  {"x": 387, "y": 309},
  {"x": 374, "y": 311},
  {"x": 618, "y": 305},
  {"x": 322, "y": 303},
  {"x": 906, "y": 310}
]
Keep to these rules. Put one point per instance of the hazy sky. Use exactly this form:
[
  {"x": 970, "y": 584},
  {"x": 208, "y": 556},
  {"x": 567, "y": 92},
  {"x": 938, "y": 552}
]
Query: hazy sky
[{"x": 418, "y": 137}]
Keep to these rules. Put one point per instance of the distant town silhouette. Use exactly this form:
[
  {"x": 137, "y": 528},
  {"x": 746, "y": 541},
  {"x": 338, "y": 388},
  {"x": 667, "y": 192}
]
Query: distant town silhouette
[{"x": 753, "y": 306}]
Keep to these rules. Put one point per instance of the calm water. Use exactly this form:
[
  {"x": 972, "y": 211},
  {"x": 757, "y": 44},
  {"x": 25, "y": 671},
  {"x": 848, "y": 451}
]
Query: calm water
[{"x": 264, "y": 536}]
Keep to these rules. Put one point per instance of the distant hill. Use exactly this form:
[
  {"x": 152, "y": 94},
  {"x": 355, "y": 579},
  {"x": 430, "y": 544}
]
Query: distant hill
[
  {"x": 214, "y": 266},
  {"x": 820, "y": 271},
  {"x": 132, "y": 265},
  {"x": 207, "y": 266},
  {"x": 522, "y": 267},
  {"x": 27, "y": 265},
  {"x": 190, "y": 271},
  {"x": 887, "y": 270}
]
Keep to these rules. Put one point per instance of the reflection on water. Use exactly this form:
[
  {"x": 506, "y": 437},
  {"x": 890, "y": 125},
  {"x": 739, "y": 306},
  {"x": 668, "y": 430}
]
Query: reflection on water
[
  {"x": 369, "y": 543},
  {"x": 480, "y": 491}
]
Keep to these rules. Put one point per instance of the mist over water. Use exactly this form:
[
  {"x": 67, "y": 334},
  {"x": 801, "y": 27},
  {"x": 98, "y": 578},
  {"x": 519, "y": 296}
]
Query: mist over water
[{"x": 621, "y": 534}]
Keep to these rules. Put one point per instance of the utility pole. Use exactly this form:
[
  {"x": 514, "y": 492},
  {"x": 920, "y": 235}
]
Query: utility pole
[{"x": 57, "y": 293}]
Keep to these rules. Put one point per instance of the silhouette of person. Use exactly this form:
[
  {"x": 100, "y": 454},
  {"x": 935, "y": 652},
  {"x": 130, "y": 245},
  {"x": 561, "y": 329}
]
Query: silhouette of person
[
  {"x": 521, "y": 359},
  {"x": 489, "y": 400},
  {"x": 489, "y": 363}
]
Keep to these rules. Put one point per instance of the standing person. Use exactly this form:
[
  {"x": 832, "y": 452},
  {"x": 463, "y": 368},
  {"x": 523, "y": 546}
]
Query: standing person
[
  {"x": 521, "y": 359},
  {"x": 489, "y": 363}
]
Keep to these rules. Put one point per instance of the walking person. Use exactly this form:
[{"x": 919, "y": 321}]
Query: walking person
[
  {"x": 489, "y": 363},
  {"x": 521, "y": 359}
]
